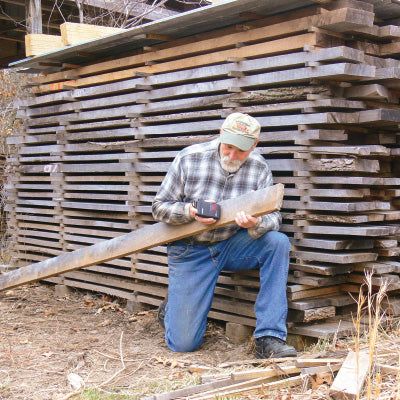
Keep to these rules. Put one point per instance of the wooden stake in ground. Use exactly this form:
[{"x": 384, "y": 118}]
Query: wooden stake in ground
[
  {"x": 350, "y": 379},
  {"x": 255, "y": 203}
]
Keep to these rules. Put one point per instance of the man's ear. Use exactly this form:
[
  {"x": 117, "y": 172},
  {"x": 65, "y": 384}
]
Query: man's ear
[{"x": 254, "y": 145}]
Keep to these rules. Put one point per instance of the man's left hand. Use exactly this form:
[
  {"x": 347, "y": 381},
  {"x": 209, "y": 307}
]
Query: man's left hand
[{"x": 246, "y": 221}]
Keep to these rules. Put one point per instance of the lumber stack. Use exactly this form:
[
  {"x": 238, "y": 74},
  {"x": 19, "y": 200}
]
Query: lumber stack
[{"x": 323, "y": 83}]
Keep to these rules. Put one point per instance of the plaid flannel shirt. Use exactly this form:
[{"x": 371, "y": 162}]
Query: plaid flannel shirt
[{"x": 196, "y": 173}]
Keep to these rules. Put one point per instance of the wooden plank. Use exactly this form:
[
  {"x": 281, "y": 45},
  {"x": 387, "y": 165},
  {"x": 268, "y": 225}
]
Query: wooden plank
[
  {"x": 313, "y": 280},
  {"x": 256, "y": 389},
  {"x": 74, "y": 33},
  {"x": 331, "y": 270},
  {"x": 259, "y": 202},
  {"x": 37, "y": 44},
  {"x": 341, "y": 219},
  {"x": 374, "y": 267},
  {"x": 324, "y": 329},
  {"x": 335, "y": 257},
  {"x": 312, "y": 293},
  {"x": 314, "y": 362},
  {"x": 267, "y": 372},
  {"x": 313, "y": 314},
  {"x": 375, "y": 280},
  {"x": 123, "y": 294},
  {"x": 350, "y": 379},
  {"x": 372, "y": 91},
  {"x": 191, "y": 390},
  {"x": 350, "y": 230}
]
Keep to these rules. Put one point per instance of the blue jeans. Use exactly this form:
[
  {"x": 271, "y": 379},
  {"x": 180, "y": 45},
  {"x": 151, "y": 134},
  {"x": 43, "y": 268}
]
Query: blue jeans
[{"x": 193, "y": 273}]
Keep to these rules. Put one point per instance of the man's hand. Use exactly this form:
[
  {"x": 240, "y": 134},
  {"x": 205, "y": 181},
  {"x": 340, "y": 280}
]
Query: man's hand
[
  {"x": 246, "y": 221},
  {"x": 205, "y": 221}
]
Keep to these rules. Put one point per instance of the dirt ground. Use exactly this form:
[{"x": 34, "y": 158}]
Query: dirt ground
[
  {"x": 44, "y": 339},
  {"x": 88, "y": 347}
]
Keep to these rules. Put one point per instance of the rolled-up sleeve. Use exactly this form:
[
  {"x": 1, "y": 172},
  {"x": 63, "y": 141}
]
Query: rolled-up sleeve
[
  {"x": 168, "y": 205},
  {"x": 268, "y": 222}
]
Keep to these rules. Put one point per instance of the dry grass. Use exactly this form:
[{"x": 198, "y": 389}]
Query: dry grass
[
  {"x": 378, "y": 335},
  {"x": 11, "y": 89}
]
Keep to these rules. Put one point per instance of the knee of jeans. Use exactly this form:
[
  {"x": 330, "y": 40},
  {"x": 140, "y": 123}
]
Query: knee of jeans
[
  {"x": 279, "y": 240},
  {"x": 182, "y": 344}
]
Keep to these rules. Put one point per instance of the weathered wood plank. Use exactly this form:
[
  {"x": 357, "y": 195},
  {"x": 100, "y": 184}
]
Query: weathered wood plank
[{"x": 350, "y": 379}]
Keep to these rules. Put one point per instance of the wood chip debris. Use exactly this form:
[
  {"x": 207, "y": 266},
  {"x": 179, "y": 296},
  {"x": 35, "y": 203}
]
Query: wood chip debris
[{"x": 277, "y": 374}]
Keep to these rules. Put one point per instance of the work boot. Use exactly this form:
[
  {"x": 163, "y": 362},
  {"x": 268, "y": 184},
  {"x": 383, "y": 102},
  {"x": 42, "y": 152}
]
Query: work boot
[
  {"x": 161, "y": 312},
  {"x": 270, "y": 346}
]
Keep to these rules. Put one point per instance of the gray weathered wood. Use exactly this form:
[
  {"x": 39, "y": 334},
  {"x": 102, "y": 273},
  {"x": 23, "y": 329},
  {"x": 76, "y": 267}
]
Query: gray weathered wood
[{"x": 34, "y": 15}]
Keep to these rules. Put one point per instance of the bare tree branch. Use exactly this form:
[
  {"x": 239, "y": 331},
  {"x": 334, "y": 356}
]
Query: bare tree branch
[
  {"x": 21, "y": 22},
  {"x": 80, "y": 10}
]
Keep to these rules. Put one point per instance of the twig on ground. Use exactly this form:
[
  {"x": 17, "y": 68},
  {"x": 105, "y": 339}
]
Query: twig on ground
[{"x": 122, "y": 362}]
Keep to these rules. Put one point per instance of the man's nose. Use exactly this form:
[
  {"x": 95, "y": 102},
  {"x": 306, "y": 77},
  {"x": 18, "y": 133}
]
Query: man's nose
[{"x": 232, "y": 156}]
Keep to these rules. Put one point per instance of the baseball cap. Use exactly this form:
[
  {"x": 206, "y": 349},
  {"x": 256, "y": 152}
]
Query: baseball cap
[{"x": 240, "y": 130}]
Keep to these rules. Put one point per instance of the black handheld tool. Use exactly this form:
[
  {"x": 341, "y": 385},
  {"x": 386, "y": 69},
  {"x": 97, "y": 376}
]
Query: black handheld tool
[{"x": 207, "y": 209}]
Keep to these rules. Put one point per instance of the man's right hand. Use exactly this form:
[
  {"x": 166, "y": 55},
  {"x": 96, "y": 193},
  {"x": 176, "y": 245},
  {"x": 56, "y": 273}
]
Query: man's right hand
[{"x": 205, "y": 221}]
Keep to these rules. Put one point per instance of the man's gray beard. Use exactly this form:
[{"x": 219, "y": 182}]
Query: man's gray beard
[{"x": 230, "y": 165}]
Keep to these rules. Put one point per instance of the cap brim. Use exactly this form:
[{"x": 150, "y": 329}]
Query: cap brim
[{"x": 242, "y": 142}]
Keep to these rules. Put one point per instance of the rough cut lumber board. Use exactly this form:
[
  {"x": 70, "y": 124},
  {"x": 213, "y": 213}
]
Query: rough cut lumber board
[
  {"x": 312, "y": 314},
  {"x": 344, "y": 230},
  {"x": 373, "y": 91},
  {"x": 326, "y": 329},
  {"x": 331, "y": 270},
  {"x": 73, "y": 33},
  {"x": 312, "y": 293},
  {"x": 37, "y": 43},
  {"x": 350, "y": 379},
  {"x": 187, "y": 391},
  {"x": 256, "y": 203},
  {"x": 256, "y": 389}
]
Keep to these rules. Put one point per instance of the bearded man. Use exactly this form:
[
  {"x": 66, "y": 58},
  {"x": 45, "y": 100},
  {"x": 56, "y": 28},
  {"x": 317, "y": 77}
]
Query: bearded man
[{"x": 221, "y": 169}]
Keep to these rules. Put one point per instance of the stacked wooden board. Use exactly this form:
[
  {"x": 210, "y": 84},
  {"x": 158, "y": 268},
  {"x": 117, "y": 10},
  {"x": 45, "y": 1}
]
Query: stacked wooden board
[
  {"x": 71, "y": 33},
  {"x": 323, "y": 83}
]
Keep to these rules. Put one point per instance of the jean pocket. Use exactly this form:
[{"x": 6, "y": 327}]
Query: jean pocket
[{"x": 176, "y": 251}]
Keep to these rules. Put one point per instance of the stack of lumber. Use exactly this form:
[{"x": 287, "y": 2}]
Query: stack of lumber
[{"x": 324, "y": 84}]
